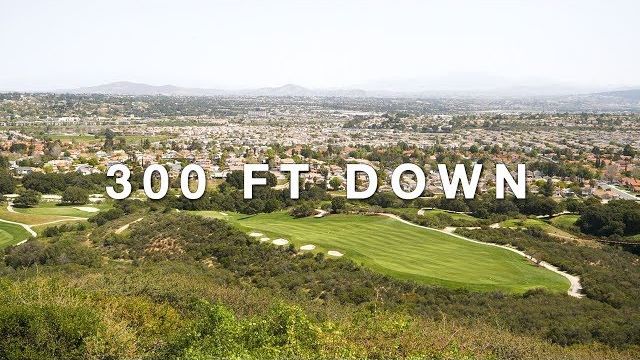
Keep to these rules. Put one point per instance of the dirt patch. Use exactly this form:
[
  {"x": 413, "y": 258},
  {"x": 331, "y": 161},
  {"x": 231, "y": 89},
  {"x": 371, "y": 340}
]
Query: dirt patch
[{"x": 166, "y": 246}]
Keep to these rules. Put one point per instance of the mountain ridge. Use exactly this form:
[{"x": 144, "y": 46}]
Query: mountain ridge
[{"x": 294, "y": 90}]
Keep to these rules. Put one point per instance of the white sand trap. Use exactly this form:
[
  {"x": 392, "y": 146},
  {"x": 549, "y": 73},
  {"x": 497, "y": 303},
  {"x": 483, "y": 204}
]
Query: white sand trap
[
  {"x": 280, "y": 242},
  {"x": 334, "y": 253},
  {"x": 307, "y": 247},
  {"x": 264, "y": 239},
  {"x": 223, "y": 214},
  {"x": 256, "y": 234},
  {"x": 90, "y": 209}
]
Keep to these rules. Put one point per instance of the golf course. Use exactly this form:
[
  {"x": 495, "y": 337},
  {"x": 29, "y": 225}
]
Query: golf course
[
  {"x": 14, "y": 220},
  {"x": 11, "y": 234},
  {"x": 404, "y": 251}
]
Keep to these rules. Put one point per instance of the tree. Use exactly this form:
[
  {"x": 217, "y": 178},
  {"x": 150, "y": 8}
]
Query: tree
[
  {"x": 338, "y": 204},
  {"x": 75, "y": 195},
  {"x": 4, "y": 162},
  {"x": 611, "y": 172},
  {"x": 236, "y": 178},
  {"x": 7, "y": 183},
  {"x": 109, "y": 135},
  {"x": 548, "y": 188},
  {"x": 629, "y": 151},
  {"x": 335, "y": 183},
  {"x": 28, "y": 198}
]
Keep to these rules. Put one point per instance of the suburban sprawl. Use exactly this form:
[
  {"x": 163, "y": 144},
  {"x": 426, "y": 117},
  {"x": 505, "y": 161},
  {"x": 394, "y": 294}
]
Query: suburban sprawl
[{"x": 555, "y": 275}]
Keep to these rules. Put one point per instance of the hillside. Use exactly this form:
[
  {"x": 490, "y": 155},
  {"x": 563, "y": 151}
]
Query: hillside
[{"x": 175, "y": 285}]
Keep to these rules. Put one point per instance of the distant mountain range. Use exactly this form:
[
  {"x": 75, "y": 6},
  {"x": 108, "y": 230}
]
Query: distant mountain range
[
  {"x": 132, "y": 88},
  {"x": 632, "y": 95}
]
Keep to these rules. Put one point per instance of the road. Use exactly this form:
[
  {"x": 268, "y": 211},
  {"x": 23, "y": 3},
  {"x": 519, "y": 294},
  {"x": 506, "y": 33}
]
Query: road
[{"x": 619, "y": 192}]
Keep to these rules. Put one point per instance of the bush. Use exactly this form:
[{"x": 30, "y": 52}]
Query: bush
[
  {"x": 45, "y": 331},
  {"x": 60, "y": 252},
  {"x": 103, "y": 217},
  {"x": 303, "y": 210}
]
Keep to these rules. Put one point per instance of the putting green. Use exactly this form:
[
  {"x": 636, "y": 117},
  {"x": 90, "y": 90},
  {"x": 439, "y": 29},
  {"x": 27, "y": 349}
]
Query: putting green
[
  {"x": 407, "y": 252},
  {"x": 11, "y": 234}
]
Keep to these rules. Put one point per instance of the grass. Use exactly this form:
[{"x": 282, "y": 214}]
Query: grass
[
  {"x": 43, "y": 216},
  {"x": 57, "y": 210},
  {"x": 11, "y": 234},
  {"x": 565, "y": 221},
  {"x": 27, "y": 218},
  {"x": 532, "y": 223},
  {"x": 406, "y": 252},
  {"x": 455, "y": 216}
]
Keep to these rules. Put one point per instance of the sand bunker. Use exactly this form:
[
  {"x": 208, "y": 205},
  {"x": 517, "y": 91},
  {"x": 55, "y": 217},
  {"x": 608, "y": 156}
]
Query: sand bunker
[
  {"x": 280, "y": 242},
  {"x": 334, "y": 253},
  {"x": 264, "y": 239},
  {"x": 87, "y": 209},
  {"x": 307, "y": 247},
  {"x": 255, "y": 234},
  {"x": 223, "y": 214}
]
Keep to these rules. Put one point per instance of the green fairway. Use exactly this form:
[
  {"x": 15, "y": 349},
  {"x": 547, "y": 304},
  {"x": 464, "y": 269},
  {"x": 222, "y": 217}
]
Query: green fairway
[
  {"x": 405, "y": 251},
  {"x": 565, "y": 221},
  {"x": 28, "y": 218},
  {"x": 57, "y": 210},
  {"x": 11, "y": 234}
]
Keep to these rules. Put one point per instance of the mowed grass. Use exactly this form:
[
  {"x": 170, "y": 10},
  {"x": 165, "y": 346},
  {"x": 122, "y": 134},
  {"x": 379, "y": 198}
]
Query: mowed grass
[
  {"x": 11, "y": 234},
  {"x": 455, "y": 216},
  {"x": 406, "y": 252},
  {"x": 57, "y": 210},
  {"x": 565, "y": 221},
  {"x": 27, "y": 218}
]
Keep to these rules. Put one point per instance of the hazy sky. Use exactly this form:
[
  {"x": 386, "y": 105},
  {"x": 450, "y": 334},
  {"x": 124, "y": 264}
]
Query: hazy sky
[{"x": 238, "y": 44}]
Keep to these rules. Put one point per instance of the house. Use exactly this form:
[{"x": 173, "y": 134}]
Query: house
[
  {"x": 633, "y": 184},
  {"x": 85, "y": 169},
  {"x": 23, "y": 170}
]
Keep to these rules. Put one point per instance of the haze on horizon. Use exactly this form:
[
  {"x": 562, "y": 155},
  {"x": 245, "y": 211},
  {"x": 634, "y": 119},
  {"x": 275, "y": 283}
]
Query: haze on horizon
[{"x": 390, "y": 45}]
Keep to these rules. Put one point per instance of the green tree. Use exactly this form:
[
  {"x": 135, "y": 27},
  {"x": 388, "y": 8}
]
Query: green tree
[
  {"x": 109, "y": 135},
  {"x": 548, "y": 188},
  {"x": 335, "y": 183},
  {"x": 7, "y": 183},
  {"x": 75, "y": 195},
  {"x": 629, "y": 151},
  {"x": 338, "y": 204},
  {"x": 28, "y": 198}
]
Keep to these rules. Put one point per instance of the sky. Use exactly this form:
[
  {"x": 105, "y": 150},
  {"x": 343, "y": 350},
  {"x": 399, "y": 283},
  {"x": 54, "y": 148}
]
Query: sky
[{"x": 318, "y": 44}]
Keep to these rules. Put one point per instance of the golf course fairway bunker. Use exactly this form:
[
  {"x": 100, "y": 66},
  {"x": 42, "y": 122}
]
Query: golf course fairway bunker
[{"x": 408, "y": 252}]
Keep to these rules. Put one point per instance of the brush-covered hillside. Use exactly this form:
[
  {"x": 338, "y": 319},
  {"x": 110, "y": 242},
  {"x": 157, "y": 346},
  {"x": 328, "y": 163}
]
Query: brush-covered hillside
[{"x": 146, "y": 282}]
